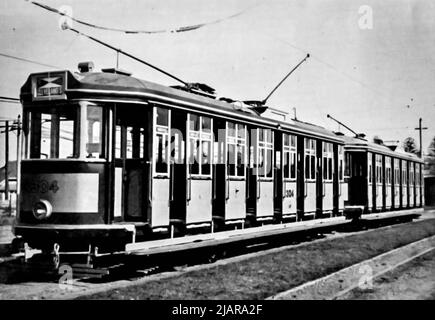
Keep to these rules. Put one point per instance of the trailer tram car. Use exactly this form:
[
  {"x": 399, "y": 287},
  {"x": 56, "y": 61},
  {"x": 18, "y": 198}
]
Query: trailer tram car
[
  {"x": 380, "y": 178},
  {"x": 109, "y": 161}
]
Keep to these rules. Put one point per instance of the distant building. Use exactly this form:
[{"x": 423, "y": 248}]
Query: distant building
[{"x": 12, "y": 175}]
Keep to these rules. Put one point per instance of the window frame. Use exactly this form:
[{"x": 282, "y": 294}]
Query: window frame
[
  {"x": 265, "y": 146},
  {"x": 161, "y": 131},
  {"x": 310, "y": 151},
  {"x": 328, "y": 158},
  {"x": 236, "y": 141},
  {"x": 289, "y": 148},
  {"x": 199, "y": 136}
]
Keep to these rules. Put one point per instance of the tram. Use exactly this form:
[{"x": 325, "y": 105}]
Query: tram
[{"x": 110, "y": 160}]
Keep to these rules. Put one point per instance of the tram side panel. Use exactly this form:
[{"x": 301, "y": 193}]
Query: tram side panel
[
  {"x": 289, "y": 176},
  {"x": 396, "y": 192},
  {"x": 370, "y": 182},
  {"x": 404, "y": 182},
  {"x": 233, "y": 194},
  {"x": 388, "y": 188},
  {"x": 310, "y": 176},
  {"x": 343, "y": 188},
  {"x": 199, "y": 174},
  {"x": 411, "y": 184},
  {"x": 379, "y": 182},
  {"x": 417, "y": 185},
  {"x": 327, "y": 178}
]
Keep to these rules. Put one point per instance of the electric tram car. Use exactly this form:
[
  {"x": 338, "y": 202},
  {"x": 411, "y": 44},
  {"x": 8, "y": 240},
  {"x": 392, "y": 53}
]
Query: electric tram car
[
  {"x": 380, "y": 178},
  {"x": 108, "y": 160}
]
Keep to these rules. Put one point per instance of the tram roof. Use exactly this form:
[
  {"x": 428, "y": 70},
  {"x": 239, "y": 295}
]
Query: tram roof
[
  {"x": 116, "y": 87},
  {"x": 357, "y": 144}
]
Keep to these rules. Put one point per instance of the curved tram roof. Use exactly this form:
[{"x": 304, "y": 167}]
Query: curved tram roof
[
  {"x": 110, "y": 87},
  {"x": 357, "y": 144}
]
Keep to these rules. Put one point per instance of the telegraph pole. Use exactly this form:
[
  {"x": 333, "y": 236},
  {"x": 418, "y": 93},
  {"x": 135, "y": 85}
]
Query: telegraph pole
[
  {"x": 7, "y": 160},
  {"x": 420, "y": 129}
]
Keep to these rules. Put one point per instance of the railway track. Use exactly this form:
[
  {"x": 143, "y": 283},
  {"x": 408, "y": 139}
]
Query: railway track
[{"x": 76, "y": 280}]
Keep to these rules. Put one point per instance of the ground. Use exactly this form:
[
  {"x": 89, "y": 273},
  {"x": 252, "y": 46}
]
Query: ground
[{"x": 412, "y": 281}]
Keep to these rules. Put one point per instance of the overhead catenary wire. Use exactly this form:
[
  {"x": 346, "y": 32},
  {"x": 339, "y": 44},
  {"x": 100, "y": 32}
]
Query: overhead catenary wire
[
  {"x": 175, "y": 30},
  {"x": 127, "y": 55},
  {"x": 28, "y": 60}
]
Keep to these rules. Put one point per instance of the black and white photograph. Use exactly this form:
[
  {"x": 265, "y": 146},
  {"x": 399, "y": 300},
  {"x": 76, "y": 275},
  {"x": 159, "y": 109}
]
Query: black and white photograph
[{"x": 221, "y": 157}]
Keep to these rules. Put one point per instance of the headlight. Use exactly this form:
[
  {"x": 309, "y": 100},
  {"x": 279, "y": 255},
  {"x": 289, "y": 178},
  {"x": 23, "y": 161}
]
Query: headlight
[{"x": 42, "y": 209}]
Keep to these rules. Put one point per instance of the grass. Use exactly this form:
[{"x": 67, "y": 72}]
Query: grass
[{"x": 263, "y": 276}]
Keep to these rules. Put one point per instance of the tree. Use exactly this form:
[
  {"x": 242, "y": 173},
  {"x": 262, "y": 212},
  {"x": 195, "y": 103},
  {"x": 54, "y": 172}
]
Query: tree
[
  {"x": 429, "y": 159},
  {"x": 409, "y": 145}
]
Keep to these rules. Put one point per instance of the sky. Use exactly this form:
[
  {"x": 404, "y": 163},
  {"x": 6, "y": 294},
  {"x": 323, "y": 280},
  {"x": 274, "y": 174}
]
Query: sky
[{"x": 378, "y": 78}]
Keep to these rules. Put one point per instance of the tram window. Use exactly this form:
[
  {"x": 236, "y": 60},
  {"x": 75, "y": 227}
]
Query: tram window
[
  {"x": 194, "y": 122},
  {"x": 206, "y": 156},
  {"x": 289, "y": 156},
  {"x": 194, "y": 156},
  {"x": 327, "y": 161},
  {"x": 370, "y": 173},
  {"x": 293, "y": 165},
  {"x": 241, "y": 131},
  {"x": 310, "y": 159},
  {"x": 230, "y": 160},
  {"x": 206, "y": 124},
  {"x": 53, "y": 133},
  {"x": 265, "y": 163},
  {"x": 286, "y": 166},
  {"x": 66, "y": 141},
  {"x": 262, "y": 161},
  {"x": 340, "y": 169},
  {"x": 313, "y": 167},
  {"x": 162, "y": 154},
  {"x": 94, "y": 117},
  {"x": 46, "y": 136},
  {"x": 307, "y": 166},
  {"x": 231, "y": 129},
  {"x": 162, "y": 117},
  {"x": 269, "y": 161},
  {"x": 129, "y": 154},
  {"x": 200, "y": 147},
  {"x": 261, "y": 135},
  {"x": 240, "y": 160},
  {"x": 118, "y": 142}
]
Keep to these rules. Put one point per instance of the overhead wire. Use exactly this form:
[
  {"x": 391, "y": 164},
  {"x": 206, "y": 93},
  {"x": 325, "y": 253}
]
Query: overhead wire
[
  {"x": 28, "y": 60},
  {"x": 127, "y": 31}
]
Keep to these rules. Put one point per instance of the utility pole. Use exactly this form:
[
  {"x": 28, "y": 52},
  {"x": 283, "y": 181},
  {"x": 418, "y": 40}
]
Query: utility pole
[
  {"x": 420, "y": 129},
  {"x": 7, "y": 160}
]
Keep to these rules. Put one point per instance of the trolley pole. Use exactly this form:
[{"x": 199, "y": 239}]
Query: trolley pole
[
  {"x": 420, "y": 129},
  {"x": 7, "y": 160}
]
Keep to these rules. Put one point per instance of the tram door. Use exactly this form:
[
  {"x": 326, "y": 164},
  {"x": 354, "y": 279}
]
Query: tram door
[
  {"x": 411, "y": 184},
  {"x": 342, "y": 184},
  {"x": 328, "y": 177},
  {"x": 265, "y": 173},
  {"x": 160, "y": 185},
  {"x": 132, "y": 166},
  {"x": 310, "y": 196},
  {"x": 417, "y": 184},
  {"x": 388, "y": 192},
  {"x": 370, "y": 181},
  {"x": 177, "y": 170},
  {"x": 404, "y": 184},
  {"x": 379, "y": 182},
  {"x": 396, "y": 179},
  {"x": 235, "y": 175},
  {"x": 289, "y": 171},
  {"x": 199, "y": 170}
]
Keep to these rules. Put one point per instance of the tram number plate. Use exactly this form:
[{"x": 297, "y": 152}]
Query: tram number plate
[{"x": 289, "y": 194}]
